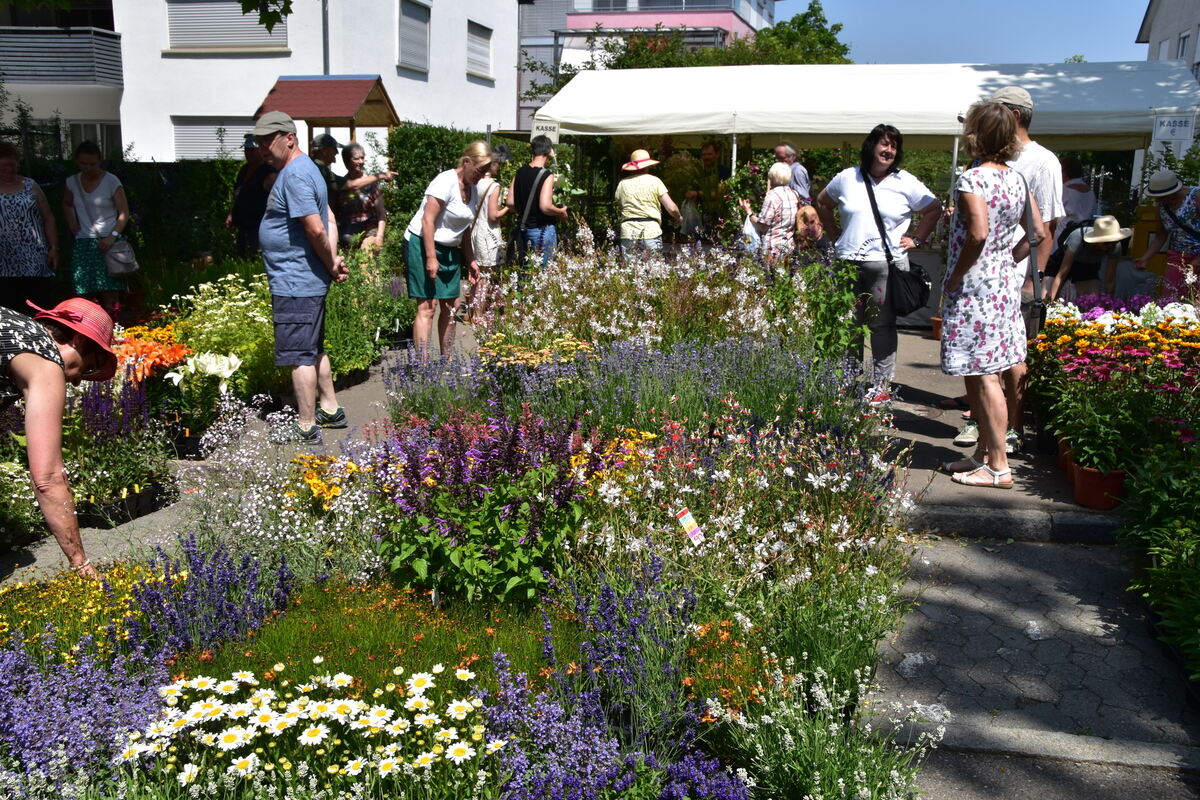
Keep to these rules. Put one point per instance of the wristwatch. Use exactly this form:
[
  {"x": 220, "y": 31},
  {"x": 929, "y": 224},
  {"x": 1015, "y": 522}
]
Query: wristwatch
[{"x": 918, "y": 241}]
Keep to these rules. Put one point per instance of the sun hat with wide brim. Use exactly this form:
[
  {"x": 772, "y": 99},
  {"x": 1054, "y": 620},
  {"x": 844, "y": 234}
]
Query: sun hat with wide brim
[
  {"x": 1163, "y": 183},
  {"x": 638, "y": 159},
  {"x": 91, "y": 321},
  {"x": 1106, "y": 229}
]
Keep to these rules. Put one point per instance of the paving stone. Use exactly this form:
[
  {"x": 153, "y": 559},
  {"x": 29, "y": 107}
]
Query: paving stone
[
  {"x": 1033, "y": 690},
  {"x": 1079, "y": 704},
  {"x": 1052, "y": 651}
]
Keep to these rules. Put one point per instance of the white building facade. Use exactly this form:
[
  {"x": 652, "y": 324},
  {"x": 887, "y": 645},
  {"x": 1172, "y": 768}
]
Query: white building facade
[
  {"x": 176, "y": 73},
  {"x": 1170, "y": 30}
]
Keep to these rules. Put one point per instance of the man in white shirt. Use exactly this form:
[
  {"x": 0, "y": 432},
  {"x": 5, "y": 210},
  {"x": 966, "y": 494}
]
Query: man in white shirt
[{"x": 1043, "y": 174}]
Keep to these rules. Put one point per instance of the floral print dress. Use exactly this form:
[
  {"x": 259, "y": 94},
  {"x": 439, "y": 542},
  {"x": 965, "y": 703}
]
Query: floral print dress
[{"x": 982, "y": 329}]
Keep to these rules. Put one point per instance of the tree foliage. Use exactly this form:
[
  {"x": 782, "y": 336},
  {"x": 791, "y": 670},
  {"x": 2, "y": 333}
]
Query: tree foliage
[{"x": 806, "y": 38}]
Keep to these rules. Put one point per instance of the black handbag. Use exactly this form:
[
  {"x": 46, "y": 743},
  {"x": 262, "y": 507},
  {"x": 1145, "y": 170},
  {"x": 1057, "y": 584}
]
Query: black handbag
[{"x": 907, "y": 291}]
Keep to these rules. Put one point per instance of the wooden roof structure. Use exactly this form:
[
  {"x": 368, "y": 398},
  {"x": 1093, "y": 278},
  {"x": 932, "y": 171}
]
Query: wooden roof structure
[{"x": 332, "y": 101}]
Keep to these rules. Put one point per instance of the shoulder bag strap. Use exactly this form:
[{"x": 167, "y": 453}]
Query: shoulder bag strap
[
  {"x": 887, "y": 248},
  {"x": 533, "y": 192},
  {"x": 483, "y": 200}
]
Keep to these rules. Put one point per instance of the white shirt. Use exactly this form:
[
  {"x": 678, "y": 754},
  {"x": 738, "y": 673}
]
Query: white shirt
[
  {"x": 96, "y": 211},
  {"x": 898, "y": 195},
  {"x": 455, "y": 218},
  {"x": 1043, "y": 174},
  {"x": 1078, "y": 203}
]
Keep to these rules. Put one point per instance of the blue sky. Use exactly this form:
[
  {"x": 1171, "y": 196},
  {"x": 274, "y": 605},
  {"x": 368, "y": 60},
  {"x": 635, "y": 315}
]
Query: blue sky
[{"x": 983, "y": 31}]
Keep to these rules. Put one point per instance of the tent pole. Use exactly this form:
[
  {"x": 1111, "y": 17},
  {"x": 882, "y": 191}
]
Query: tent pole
[{"x": 733, "y": 156}]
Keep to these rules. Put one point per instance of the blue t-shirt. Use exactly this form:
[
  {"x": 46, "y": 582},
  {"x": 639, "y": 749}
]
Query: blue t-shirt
[{"x": 293, "y": 267}]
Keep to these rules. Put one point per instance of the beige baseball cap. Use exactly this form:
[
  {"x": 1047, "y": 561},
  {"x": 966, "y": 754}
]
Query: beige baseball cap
[
  {"x": 273, "y": 122},
  {"x": 1013, "y": 96}
]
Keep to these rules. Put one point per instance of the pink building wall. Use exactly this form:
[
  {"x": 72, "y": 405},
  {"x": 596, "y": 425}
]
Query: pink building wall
[{"x": 726, "y": 20}]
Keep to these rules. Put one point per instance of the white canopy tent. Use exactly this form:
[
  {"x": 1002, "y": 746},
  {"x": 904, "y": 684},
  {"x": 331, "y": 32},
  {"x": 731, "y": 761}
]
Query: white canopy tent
[{"x": 1092, "y": 106}]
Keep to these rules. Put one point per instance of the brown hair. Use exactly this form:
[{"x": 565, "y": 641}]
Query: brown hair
[
  {"x": 991, "y": 132},
  {"x": 10, "y": 150},
  {"x": 61, "y": 334}
]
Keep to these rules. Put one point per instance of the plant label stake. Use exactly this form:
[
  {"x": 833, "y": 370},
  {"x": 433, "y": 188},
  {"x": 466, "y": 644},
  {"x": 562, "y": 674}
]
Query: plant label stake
[{"x": 689, "y": 526}]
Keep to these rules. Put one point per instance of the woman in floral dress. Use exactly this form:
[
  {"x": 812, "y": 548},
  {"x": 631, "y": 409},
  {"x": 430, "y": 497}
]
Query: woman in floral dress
[{"x": 982, "y": 330}]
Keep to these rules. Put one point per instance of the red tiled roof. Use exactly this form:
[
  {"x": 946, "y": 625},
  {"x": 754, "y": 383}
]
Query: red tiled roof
[{"x": 332, "y": 100}]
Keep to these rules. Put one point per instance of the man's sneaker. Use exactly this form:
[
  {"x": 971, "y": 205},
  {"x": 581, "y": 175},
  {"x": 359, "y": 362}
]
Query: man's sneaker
[
  {"x": 308, "y": 435},
  {"x": 968, "y": 434},
  {"x": 1012, "y": 441},
  {"x": 335, "y": 420}
]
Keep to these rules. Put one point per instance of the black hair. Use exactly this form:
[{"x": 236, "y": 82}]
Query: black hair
[
  {"x": 540, "y": 146},
  {"x": 866, "y": 156},
  {"x": 88, "y": 148},
  {"x": 1072, "y": 167}
]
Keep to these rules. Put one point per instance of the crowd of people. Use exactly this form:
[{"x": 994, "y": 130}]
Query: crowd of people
[{"x": 1018, "y": 218}]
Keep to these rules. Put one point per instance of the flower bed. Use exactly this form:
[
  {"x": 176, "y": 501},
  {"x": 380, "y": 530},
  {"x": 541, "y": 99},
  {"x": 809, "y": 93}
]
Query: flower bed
[
  {"x": 497, "y": 597},
  {"x": 1121, "y": 383}
]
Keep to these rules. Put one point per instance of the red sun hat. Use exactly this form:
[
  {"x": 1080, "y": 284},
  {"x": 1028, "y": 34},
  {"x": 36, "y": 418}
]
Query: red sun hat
[{"x": 90, "y": 320}]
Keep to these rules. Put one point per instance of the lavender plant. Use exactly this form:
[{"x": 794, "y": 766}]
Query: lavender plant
[{"x": 60, "y": 721}]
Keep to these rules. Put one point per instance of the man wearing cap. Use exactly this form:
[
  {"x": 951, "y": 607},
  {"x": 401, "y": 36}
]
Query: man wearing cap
[
  {"x": 298, "y": 237},
  {"x": 1178, "y": 225},
  {"x": 71, "y": 342},
  {"x": 250, "y": 189},
  {"x": 325, "y": 150},
  {"x": 1043, "y": 175}
]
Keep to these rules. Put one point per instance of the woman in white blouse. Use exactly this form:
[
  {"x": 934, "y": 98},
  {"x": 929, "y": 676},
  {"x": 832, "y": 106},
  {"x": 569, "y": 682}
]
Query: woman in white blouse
[
  {"x": 438, "y": 245},
  {"x": 97, "y": 212},
  {"x": 898, "y": 194}
]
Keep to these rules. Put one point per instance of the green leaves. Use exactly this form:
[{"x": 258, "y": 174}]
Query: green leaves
[{"x": 505, "y": 545}]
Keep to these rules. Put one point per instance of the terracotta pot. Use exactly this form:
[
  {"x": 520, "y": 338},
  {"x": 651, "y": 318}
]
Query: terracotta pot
[
  {"x": 936, "y": 333},
  {"x": 1064, "y": 461},
  {"x": 1096, "y": 489}
]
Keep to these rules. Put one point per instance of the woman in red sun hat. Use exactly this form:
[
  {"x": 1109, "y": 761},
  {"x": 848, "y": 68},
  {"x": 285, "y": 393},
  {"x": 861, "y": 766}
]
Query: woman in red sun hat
[{"x": 70, "y": 342}]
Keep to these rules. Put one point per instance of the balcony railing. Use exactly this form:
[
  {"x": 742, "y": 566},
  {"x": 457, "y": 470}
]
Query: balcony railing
[{"x": 60, "y": 55}]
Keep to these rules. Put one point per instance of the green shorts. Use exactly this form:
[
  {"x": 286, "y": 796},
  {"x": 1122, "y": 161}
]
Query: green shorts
[{"x": 446, "y": 285}]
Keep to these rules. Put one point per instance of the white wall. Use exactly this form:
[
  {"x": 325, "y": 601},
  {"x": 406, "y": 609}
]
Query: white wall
[
  {"x": 363, "y": 40},
  {"x": 1172, "y": 18}
]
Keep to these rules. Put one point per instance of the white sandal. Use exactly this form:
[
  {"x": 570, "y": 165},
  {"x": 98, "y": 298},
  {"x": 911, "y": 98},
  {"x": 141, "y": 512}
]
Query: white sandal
[{"x": 992, "y": 479}]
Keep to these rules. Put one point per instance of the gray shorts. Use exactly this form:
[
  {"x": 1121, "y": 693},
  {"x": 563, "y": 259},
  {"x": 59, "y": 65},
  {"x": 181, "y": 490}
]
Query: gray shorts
[{"x": 299, "y": 330}]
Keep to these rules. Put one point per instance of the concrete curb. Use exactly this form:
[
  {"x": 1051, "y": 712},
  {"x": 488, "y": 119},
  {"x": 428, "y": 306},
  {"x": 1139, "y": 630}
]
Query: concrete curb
[
  {"x": 1059, "y": 746},
  {"x": 1025, "y": 525}
]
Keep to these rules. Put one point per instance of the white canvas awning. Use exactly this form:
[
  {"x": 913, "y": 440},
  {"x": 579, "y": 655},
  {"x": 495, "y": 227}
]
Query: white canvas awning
[{"x": 1092, "y": 106}]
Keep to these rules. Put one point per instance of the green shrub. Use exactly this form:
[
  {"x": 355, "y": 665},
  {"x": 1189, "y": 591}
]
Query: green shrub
[{"x": 362, "y": 314}]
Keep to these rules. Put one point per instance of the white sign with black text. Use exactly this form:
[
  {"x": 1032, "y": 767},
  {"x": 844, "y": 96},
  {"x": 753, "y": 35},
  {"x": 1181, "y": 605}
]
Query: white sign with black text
[{"x": 541, "y": 128}]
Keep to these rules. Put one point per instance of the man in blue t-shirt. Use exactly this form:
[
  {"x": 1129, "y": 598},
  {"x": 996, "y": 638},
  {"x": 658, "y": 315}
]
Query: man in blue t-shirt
[{"x": 298, "y": 236}]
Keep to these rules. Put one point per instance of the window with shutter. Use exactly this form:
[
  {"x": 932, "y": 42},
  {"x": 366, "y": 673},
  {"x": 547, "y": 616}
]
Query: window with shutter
[
  {"x": 414, "y": 36},
  {"x": 204, "y": 24},
  {"x": 479, "y": 50},
  {"x": 210, "y": 137}
]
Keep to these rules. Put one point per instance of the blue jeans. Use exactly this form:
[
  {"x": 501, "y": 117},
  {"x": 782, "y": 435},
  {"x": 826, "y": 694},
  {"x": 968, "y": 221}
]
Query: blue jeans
[{"x": 543, "y": 239}]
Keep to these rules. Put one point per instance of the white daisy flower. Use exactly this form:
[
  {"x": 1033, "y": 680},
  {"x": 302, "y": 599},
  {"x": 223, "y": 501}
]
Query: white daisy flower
[
  {"x": 427, "y": 720},
  {"x": 425, "y": 760},
  {"x": 459, "y": 709},
  {"x": 460, "y": 752},
  {"x": 314, "y": 734},
  {"x": 418, "y": 682},
  {"x": 245, "y": 676},
  {"x": 244, "y": 765},
  {"x": 446, "y": 735},
  {"x": 387, "y": 766},
  {"x": 226, "y": 687},
  {"x": 464, "y": 675},
  {"x": 418, "y": 703},
  {"x": 398, "y": 727},
  {"x": 438, "y": 669},
  {"x": 201, "y": 683},
  {"x": 187, "y": 774},
  {"x": 494, "y": 745},
  {"x": 380, "y": 714},
  {"x": 354, "y": 767},
  {"x": 341, "y": 680},
  {"x": 233, "y": 738}
]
